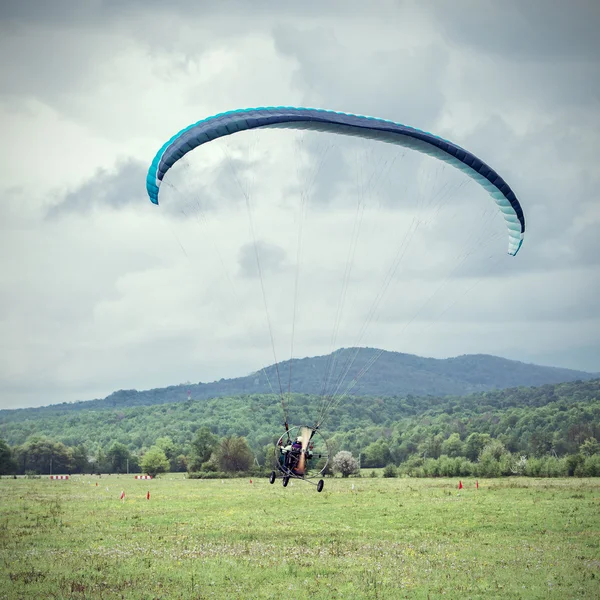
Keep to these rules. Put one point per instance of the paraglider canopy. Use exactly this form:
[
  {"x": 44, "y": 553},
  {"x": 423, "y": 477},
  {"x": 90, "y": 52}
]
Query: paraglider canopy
[{"x": 234, "y": 121}]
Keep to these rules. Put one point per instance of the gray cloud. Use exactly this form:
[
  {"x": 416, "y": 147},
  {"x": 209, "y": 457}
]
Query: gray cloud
[
  {"x": 185, "y": 192},
  {"x": 188, "y": 190},
  {"x": 123, "y": 186},
  {"x": 272, "y": 259},
  {"x": 353, "y": 78},
  {"x": 539, "y": 30},
  {"x": 91, "y": 11}
]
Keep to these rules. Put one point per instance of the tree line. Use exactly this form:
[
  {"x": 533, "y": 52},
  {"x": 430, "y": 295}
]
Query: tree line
[
  {"x": 207, "y": 453},
  {"x": 555, "y": 427}
]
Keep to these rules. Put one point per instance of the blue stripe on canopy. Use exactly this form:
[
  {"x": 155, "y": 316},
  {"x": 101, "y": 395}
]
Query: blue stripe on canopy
[{"x": 346, "y": 124}]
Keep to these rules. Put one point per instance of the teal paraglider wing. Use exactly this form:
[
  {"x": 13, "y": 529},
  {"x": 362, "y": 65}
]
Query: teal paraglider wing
[{"x": 342, "y": 123}]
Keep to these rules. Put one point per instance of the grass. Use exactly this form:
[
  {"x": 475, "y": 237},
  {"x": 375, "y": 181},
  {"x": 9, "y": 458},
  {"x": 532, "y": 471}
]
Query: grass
[{"x": 387, "y": 538}]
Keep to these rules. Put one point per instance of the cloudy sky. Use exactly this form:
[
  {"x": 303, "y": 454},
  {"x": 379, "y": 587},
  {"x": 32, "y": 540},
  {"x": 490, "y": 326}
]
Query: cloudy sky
[{"x": 356, "y": 243}]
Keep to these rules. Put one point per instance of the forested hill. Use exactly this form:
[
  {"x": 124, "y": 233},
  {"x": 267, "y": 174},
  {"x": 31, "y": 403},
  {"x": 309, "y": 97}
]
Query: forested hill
[
  {"x": 532, "y": 420},
  {"x": 392, "y": 374}
]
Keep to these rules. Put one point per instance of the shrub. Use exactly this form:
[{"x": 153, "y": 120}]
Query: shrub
[
  {"x": 390, "y": 471},
  {"x": 345, "y": 463},
  {"x": 213, "y": 475}
]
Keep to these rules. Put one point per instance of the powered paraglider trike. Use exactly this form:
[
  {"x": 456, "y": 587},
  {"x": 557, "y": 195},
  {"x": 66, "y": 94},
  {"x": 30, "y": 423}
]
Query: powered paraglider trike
[{"x": 301, "y": 453}]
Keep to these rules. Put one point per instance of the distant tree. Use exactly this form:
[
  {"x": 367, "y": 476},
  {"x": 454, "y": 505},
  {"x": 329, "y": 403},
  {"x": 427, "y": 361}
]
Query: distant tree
[
  {"x": 117, "y": 457},
  {"x": 171, "y": 451},
  {"x": 7, "y": 463},
  {"x": 489, "y": 459},
  {"x": 377, "y": 454},
  {"x": 493, "y": 449},
  {"x": 345, "y": 463},
  {"x": 41, "y": 455},
  {"x": 452, "y": 447},
  {"x": 154, "y": 462},
  {"x": 167, "y": 446},
  {"x": 179, "y": 464},
  {"x": 203, "y": 446},
  {"x": 590, "y": 447},
  {"x": 590, "y": 467},
  {"x": 540, "y": 443},
  {"x": 99, "y": 462},
  {"x": 574, "y": 461},
  {"x": 79, "y": 459},
  {"x": 234, "y": 454},
  {"x": 433, "y": 446},
  {"x": 401, "y": 452},
  {"x": 560, "y": 445},
  {"x": 270, "y": 456},
  {"x": 211, "y": 465},
  {"x": 475, "y": 443}
]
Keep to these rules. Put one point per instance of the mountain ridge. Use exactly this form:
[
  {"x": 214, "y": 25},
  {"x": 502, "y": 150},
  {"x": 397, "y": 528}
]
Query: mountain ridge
[{"x": 392, "y": 374}]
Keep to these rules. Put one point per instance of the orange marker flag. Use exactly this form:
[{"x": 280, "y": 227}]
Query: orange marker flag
[
  {"x": 148, "y": 495},
  {"x": 476, "y": 484},
  {"x": 460, "y": 486}
]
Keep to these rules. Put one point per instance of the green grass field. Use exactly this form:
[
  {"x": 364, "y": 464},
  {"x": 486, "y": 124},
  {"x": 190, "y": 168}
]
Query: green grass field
[{"x": 387, "y": 538}]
